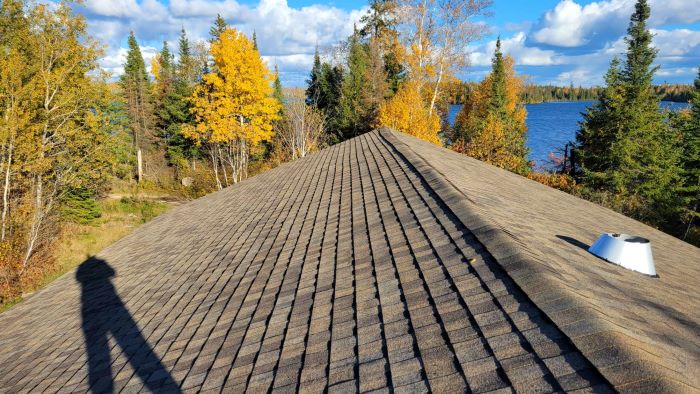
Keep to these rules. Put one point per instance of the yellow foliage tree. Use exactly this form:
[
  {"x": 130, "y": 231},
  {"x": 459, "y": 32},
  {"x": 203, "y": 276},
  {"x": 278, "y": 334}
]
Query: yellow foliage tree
[
  {"x": 407, "y": 112},
  {"x": 233, "y": 107},
  {"x": 491, "y": 124}
]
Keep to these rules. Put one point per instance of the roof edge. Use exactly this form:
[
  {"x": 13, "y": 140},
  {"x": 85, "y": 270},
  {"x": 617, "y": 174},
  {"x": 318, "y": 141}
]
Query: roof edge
[{"x": 641, "y": 370}]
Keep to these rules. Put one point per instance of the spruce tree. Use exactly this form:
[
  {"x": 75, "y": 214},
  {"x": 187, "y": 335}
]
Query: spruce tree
[
  {"x": 186, "y": 66},
  {"x": 136, "y": 89},
  {"x": 313, "y": 90},
  {"x": 219, "y": 26},
  {"x": 352, "y": 110},
  {"x": 497, "y": 98},
  {"x": 491, "y": 125},
  {"x": 277, "y": 86},
  {"x": 330, "y": 86},
  {"x": 599, "y": 130},
  {"x": 255, "y": 41},
  {"x": 641, "y": 165},
  {"x": 691, "y": 161}
]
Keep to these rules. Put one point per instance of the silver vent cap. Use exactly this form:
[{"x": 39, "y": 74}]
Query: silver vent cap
[{"x": 629, "y": 251}]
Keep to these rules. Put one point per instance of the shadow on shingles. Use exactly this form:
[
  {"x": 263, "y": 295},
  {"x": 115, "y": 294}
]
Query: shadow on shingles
[
  {"x": 103, "y": 313},
  {"x": 574, "y": 242}
]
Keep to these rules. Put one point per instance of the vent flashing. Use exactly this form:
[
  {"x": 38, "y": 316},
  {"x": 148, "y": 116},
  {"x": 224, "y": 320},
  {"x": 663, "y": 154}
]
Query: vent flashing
[{"x": 628, "y": 251}]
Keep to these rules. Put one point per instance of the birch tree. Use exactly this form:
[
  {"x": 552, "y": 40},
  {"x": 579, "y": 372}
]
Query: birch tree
[
  {"x": 301, "y": 128},
  {"x": 437, "y": 34},
  {"x": 234, "y": 108}
]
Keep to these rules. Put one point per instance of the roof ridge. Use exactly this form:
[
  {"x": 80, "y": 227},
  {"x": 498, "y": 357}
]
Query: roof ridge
[{"x": 595, "y": 337}]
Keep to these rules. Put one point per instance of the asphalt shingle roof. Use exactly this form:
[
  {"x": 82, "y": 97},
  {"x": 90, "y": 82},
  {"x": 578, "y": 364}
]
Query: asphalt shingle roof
[{"x": 379, "y": 263}]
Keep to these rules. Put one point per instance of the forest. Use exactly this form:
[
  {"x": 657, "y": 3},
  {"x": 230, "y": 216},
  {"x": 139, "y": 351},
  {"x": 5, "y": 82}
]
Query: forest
[
  {"x": 531, "y": 94},
  {"x": 206, "y": 115}
]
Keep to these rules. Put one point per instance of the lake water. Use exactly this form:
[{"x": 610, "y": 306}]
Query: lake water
[{"x": 551, "y": 125}]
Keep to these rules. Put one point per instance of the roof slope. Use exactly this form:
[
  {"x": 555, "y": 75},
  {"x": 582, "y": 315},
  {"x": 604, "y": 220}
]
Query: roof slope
[
  {"x": 379, "y": 262},
  {"x": 642, "y": 333}
]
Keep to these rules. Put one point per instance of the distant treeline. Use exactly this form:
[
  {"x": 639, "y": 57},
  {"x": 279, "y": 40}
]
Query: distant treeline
[{"x": 459, "y": 91}]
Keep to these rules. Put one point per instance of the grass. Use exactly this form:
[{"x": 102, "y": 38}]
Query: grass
[{"x": 80, "y": 241}]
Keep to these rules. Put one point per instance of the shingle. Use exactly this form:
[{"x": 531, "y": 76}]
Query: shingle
[{"x": 348, "y": 269}]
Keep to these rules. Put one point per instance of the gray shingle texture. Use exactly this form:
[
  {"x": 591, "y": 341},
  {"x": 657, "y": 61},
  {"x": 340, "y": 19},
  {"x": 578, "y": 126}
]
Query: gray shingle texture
[{"x": 360, "y": 268}]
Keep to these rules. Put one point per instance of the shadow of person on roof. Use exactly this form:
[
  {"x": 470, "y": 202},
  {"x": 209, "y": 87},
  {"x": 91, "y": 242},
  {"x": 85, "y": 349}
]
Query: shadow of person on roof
[{"x": 104, "y": 313}]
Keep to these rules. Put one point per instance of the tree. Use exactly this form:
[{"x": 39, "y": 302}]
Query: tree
[
  {"x": 233, "y": 107},
  {"x": 137, "y": 94},
  {"x": 301, "y": 129},
  {"x": 407, "y": 112},
  {"x": 491, "y": 124},
  {"x": 277, "y": 87},
  {"x": 436, "y": 34},
  {"x": 691, "y": 160},
  {"x": 313, "y": 91},
  {"x": 602, "y": 123},
  {"x": 639, "y": 154},
  {"x": 51, "y": 120},
  {"x": 187, "y": 65},
  {"x": 352, "y": 108},
  {"x": 217, "y": 28},
  {"x": 379, "y": 30}
]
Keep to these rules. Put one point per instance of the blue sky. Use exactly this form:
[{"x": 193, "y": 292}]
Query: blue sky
[{"x": 553, "y": 41}]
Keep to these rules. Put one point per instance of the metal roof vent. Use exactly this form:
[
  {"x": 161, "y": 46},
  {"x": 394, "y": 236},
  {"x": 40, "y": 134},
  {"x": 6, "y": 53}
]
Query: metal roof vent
[{"x": 629, "y": 251}]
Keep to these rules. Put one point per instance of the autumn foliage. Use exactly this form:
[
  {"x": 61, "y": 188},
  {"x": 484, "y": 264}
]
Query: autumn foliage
[
  {"x": 234, "y": 108},
  {"x": 407, "y": 112},
  {"x": 491, "y": 124}
]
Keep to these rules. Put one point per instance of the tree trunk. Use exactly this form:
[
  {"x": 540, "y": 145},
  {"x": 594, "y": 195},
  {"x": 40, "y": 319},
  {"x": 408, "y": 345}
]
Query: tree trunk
[
  {"x": 435, "y": 91},
  {"x": 6, "y": 191},
  {"x": 212, "y": 153},
  {"x": 36, "y": 221},
  {"x": 139, "y": 166}
]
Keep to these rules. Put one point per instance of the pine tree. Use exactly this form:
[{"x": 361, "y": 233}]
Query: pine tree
[
  {"x": 255, "y": 41},
  {"x": 313, "y": 89},
  {"x": 352, "y": 112},
  {"x": 186, "y": 66},
  {"x": 329, "y": 91},
  {"x": 491, "y": 124},
  {"x": 497, "y": 98},
  {"x": 599, "y": 129},
  {"x": 219, "y": 27},
  {"x": 136, "y": 88},
  {"x": 691, "y": 161},
  {"x": 277, "y": 87},
  {"x": 637, "y": 157}
]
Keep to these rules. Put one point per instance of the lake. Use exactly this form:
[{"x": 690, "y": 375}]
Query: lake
[{"x": 551, "y": 125}]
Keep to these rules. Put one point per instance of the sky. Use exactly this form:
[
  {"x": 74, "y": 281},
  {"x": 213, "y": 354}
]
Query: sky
[{"x": 557, "y": 42}]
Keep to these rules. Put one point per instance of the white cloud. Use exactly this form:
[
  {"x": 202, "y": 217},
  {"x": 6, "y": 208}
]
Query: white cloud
[
  {"x": 284, "y": 33},
  {"x": 675, "y": 44},
  {"x": 516, "y": 47},
  {"x": 677, "y": 72},
  {"x": 570, "y": 24}
]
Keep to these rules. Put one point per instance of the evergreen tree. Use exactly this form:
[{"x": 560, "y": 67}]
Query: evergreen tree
[
  {"x": 277, "y": 87},
  {"x": 497, "y": 98},
  {"x": 491, "y": 124},
  {"x": 255, "y": 41},
  {"x": 379, "y": 27},
  {"x": 187, "y": 65},
  {"x": 599, "y": 129},
  {"x": 637, "y": 157},
  {"x": 330, "y": 86},
  {"x": 691, "y": 160},
  {"x": 219, "y": 27},
  {"x": 313, "y": 89},
  {"x": 136, "y": 89},
  {"x": 352, "y": 112}
]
